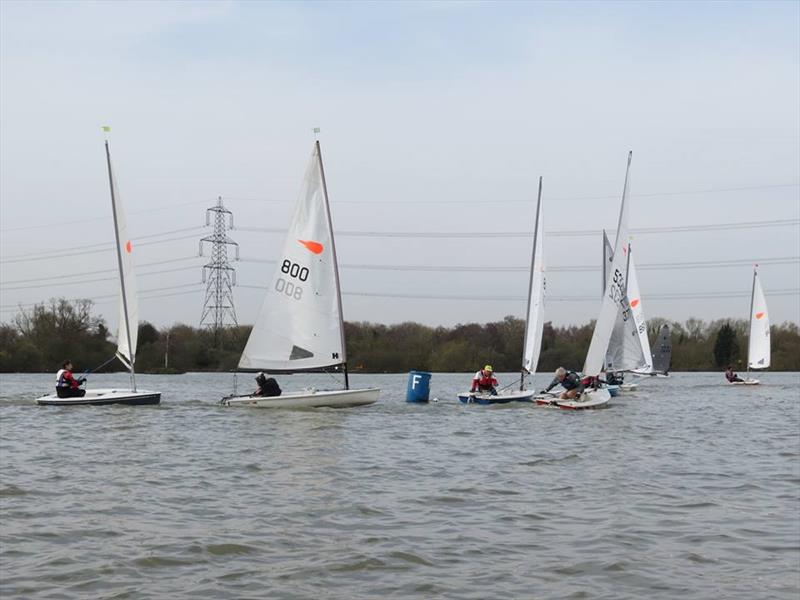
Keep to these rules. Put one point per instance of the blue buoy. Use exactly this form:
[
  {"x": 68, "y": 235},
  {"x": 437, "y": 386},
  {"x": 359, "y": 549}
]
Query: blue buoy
[{"x": 419, "y": 386}]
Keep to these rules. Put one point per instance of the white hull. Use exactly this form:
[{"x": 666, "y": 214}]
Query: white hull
[
  {"x": 502, "y": 398},
  {"x": 589, "y": 399},
  {"x": 628, "y": 387},
  {"x": 745, "y": 382},
  {"x": 312, "y": 399},
  {"x": 653, "y": 374},
  {"x": 100, "y": 397}
]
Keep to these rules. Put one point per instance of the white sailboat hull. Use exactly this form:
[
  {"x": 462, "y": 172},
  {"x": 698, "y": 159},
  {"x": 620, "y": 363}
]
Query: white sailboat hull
[
  {"x": 598, "y": 398},
  {"x": 745, "y": 382},
  {"x": 102, "y": 397},
  {"x": 306, "y": 399},
  {"x": 502, "y": 398},
  {"x": 628, "y": 387}
]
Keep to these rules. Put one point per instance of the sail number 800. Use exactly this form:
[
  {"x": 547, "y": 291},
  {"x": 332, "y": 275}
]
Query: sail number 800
[{"x": 294, "y": 270}]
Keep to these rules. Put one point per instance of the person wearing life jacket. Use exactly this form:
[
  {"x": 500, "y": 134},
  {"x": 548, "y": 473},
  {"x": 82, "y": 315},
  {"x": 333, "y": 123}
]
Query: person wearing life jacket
[
  {"x": 267, "y": 386},
  {"x": 731, "y": 376},
  {"x": 484, "y": 381},
  {"x": 571, "y": 382},
  {"x": 613, "y": 378},
  {"x": 66, "y": 384}
]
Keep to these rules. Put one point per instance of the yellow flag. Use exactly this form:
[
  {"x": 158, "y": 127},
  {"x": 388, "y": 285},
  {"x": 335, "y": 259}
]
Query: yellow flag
[{"x": 106, "y": 128}]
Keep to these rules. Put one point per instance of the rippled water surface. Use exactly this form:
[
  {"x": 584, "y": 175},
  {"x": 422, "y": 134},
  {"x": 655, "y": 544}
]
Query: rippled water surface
[{"x": 687, "y": 488}]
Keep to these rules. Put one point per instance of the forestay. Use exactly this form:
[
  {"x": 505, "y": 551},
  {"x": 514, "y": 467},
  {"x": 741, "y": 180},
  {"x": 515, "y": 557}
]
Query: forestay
[
  {"x": 758, "y": 352},
  {"x": 534, "y": 324},
  {"x": 300, "y": 326},
  {"x": 615, "y": 299},
  {"x": 128, "y": 329}
]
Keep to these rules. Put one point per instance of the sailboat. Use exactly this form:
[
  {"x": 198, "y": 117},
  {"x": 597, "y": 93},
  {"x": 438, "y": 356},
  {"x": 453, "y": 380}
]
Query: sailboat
[
  {"x": 128, "y": 330},
  {"x": 300, "y": 327},
  {"x": 662, "y": 355},
  {"x": 758, "y": 346},
  {"x": 615, "y": 304},
  {"x": 534, "y": 322},
  {"x": 627, "y": 352}
]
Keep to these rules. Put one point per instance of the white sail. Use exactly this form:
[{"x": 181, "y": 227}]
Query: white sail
[
  {"x": 615, "y": 299},
  {"x": 635, "y": 298},
  {"x": 300, "y": 323},
  {"x": 534, "y": 324},
  {"x": 758, "y": 351},
  {"x": 128, "y": 329}
]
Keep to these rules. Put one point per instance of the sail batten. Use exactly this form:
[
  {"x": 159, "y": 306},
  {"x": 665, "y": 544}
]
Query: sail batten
[{"x": 299, "y": 326}]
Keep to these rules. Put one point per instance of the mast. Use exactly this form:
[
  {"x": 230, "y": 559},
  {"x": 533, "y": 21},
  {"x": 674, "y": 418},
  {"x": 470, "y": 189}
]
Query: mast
[
  {"x": 119, "y": 263},
  {"x": 335, "y": 264},
  {"x": 530, "y": 285},
  {"x": 750, "y": 329}
]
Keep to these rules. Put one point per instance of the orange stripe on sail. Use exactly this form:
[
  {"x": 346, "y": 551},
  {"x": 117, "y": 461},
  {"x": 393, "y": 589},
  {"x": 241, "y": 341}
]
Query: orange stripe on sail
[{"x": 760, "y": 315}]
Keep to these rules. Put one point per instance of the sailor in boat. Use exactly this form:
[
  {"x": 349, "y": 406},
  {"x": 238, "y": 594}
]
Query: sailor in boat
[
  {"x": 571, "y": 382},
  {"x": 731, "y": 376},
  {"x": 66, "y": 384},
  {"x": 267, "y": 386},
  {"x": 484, "y": 381},
  {"x": 613, "y": 378}
]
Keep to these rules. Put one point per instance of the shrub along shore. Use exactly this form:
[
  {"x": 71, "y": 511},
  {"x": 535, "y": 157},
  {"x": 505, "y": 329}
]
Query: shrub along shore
[{"x": 40, "y": 338}]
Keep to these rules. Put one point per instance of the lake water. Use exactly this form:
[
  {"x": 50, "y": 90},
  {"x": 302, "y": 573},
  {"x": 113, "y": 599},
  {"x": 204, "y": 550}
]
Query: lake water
[{"x": 687, "y": 488}]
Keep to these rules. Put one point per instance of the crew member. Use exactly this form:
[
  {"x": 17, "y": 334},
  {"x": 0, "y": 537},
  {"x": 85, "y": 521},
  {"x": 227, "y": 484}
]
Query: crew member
[
  {"x": 484, "y": 381},
  {"x": 571, "y": 382},
  {"x": 66, "y": 384},
  {"x": 731, "y": 376},
  {"x": 267, "y": 386}
]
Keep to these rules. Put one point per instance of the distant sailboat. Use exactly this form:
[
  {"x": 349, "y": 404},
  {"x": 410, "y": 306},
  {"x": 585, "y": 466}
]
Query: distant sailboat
[
  {"x": 534, "y": 321},
  {"x": 758, "y": 344},
  {"x": 662, "y": 355},
  {"x": 127, "y": 332},
  {"x": 615, "y": 302},
  {"x": 300, "y": 327}
]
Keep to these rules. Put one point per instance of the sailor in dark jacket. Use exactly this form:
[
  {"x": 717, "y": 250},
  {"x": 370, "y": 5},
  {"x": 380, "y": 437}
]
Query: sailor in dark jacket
[{"x": 570, "y": 381}]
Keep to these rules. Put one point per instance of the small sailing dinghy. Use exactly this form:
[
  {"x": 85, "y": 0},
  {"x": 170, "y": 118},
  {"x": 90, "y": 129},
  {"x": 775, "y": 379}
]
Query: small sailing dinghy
[
  {"x": 662, "y": 356},
  {"x": 534, "y": 323},
  {"x": 300, "y": 327},
  {"x": 615, "y": 313},
  {"x": 128, "y": 318},
  {"x": 758, "y": 346}
]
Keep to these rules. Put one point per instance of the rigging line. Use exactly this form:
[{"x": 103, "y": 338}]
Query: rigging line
[
  {"x": 68, "y": 254},
  {"x": 107, "y": 245},
  {"x": 528, "y": 234},
  {"x": 80, "y": 282},
  {"x": 71, "y": 275}
]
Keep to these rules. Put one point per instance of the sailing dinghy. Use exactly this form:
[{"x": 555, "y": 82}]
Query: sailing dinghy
[
  {"x": 128, "y": 331},
  {"x": 534, "y": 323},
  {"x": 615, "y": 313},
  {"x": 758, "y": 346},
  {"x": 300, "y": 327}
]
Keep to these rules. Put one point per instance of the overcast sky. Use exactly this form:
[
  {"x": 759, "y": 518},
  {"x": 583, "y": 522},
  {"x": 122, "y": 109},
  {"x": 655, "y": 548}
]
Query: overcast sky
[{"x": 436, "y": 118}]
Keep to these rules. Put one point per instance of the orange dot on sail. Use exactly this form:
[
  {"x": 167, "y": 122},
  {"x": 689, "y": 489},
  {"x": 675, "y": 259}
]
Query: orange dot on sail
[
  {"x": 634, "y": 302},
  {"x": 314, "y": 247},
  {"x": 760, "y": 315},
  {"x": 128, "y": 247}
]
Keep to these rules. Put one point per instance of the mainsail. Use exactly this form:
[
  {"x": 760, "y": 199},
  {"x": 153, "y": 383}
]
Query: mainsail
[
  {"x": 128, "y": 330},
  {"x": 615, "y": 300},
  {"x": 662, "y": 356},
  {"x": 534, "y": 323},
  {"x": 758, "y": 349},
  {"x": 300, "y": 324}
]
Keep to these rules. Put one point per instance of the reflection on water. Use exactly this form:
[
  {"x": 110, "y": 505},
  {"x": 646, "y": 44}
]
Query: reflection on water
[{"x": 686, "y": 488}]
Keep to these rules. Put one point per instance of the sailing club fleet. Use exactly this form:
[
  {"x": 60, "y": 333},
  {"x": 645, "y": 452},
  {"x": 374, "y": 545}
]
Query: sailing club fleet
[{"x": 300, "y": 326}]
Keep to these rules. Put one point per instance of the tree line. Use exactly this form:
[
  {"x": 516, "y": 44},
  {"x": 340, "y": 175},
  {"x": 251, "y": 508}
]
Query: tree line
[{"x": 39, "y": 339}]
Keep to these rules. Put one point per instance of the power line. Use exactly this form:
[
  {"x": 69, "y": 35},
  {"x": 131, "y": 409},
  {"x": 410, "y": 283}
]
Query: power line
[
  {"x": 84, "y": 273},
  {"x": 527, "y": 234},
  {"x": 84, "y": 281}
]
